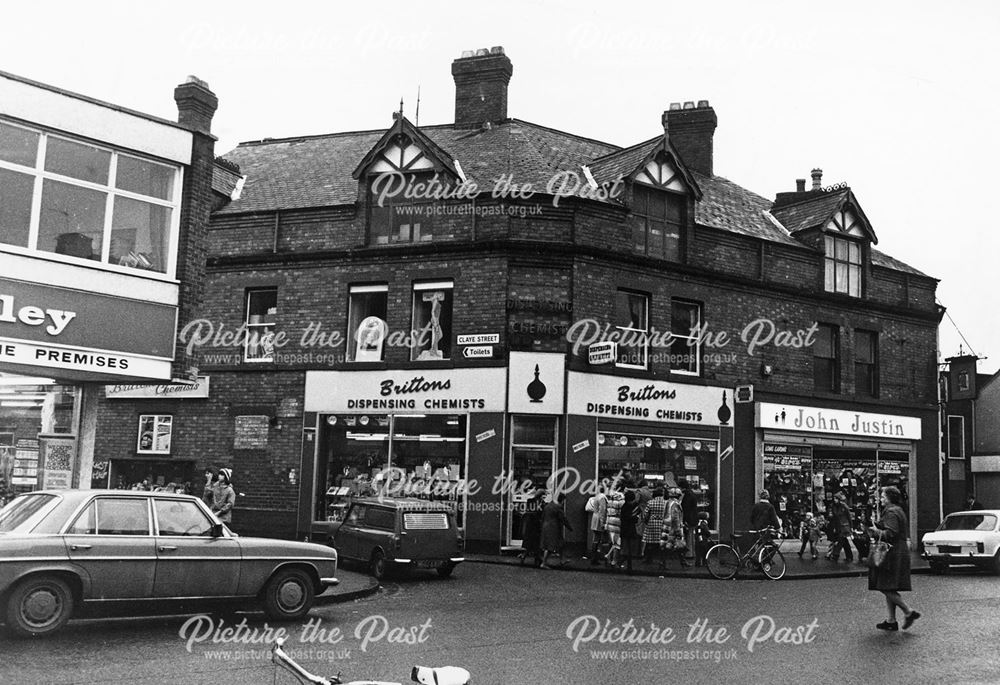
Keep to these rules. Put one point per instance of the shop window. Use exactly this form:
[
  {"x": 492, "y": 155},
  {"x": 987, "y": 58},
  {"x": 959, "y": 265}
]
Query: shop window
[
  {"x": 366, "y": 322},
  {"x": 632, "y": 322},
  {"x": 826, "y": 358},
  {"x": 685, "y": 346},
  {"x": 843, "y": 266},
  {"x": 866, "y": 363},
  {"x": 261, "y": 311},
  {"x": 87, "y": 202},
  {"x": 656, "y": 220},
  {"x": 956, "y": 437},
  {"x": 432, "y": 306},
  {"x": 397, "y": 218},
  {"x": 155, "y": 431}
]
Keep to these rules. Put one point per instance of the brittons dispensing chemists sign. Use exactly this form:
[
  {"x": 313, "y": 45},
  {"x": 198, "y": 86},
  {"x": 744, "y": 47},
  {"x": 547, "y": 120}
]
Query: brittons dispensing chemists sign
[{"x": 63, "y": 329}]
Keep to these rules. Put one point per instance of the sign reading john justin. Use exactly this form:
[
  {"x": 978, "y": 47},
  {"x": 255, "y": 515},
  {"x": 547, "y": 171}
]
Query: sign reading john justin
[{"x": 823, "y": 420}]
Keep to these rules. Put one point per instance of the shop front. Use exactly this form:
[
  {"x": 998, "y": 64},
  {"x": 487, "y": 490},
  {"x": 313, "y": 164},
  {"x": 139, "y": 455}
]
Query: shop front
[{"x": 807, "y": 456}]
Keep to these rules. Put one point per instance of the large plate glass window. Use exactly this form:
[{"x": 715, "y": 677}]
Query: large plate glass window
[
  {"x": 261, "y": 312},
  {"x": 87, "y": 202},
  {"x": 366, "y": 322},
  {"x": 432, "y": 306},
  {"x": 685, "y": 345},
  {"x": 155, "y": 431},
  {"x": 632, "y": 321}
]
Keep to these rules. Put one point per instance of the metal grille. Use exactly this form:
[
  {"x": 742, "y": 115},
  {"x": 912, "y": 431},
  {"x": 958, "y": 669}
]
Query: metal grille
[{"x": 437, "y": 520}]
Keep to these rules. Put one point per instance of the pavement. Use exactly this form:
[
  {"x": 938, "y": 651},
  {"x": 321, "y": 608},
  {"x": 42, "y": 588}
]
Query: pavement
[
  {"x": 352, "y": 586},
  {"x": 798, "y": 568}
]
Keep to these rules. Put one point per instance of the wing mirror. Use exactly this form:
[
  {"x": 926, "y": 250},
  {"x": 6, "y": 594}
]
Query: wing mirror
[{"x": 216, "y": 530}]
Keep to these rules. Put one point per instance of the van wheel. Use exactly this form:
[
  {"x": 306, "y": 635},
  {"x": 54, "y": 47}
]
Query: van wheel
[
  {"x": 289, "y": 595},
  {"x": 39, "y": 606},
  {"x": 377, "y": 564},
  {"x": 445, "y": 571}
]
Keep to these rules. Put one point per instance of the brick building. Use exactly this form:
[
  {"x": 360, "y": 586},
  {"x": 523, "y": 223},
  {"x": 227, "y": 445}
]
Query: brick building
[
  {"x": 970, "y": 431},
  {"x": 494, "y": 300}
]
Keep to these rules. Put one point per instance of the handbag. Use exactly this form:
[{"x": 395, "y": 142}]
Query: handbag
[{"x": 878, "y": 552}]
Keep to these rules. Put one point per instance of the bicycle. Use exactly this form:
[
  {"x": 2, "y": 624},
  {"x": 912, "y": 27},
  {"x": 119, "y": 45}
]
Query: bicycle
[
  {"x": 447, "y": 675},
  {"x": 724, "y": 561}
]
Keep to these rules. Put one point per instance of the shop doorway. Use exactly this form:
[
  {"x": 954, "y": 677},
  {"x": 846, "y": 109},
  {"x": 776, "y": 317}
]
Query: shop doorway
[{"x": 532, "y": 463}]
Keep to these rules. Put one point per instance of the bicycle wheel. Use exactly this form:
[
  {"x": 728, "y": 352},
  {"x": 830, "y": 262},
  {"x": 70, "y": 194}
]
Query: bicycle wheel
[
  {"x": 772, "y": 563},
  {"x": 722, "y": 561}
]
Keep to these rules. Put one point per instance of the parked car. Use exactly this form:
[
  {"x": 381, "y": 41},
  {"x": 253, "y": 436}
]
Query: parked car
[
  {"x": 66, "y": 550},
  {"x": 403, "y": 533},
  {"x": 965, "y": 537}
]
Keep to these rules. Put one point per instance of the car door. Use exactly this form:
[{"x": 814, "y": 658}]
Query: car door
[
  {"x": 190, "y": 562},
  {"x": 347, "y": 541},
  {"x": 111, "y": 540}
]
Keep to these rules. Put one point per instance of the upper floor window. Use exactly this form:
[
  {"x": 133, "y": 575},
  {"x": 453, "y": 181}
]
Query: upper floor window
[
  {"x": 963, "y": 381},
  {"x": 261, "y": 312},
  {"x": 432, "y": 305},
  {"x": 866, "y": 363},
  {"x": 826, "y": 358},
  {"x": 87, "y": 202},
  {"x": 685, "y": 345},
  {"x": 155, "y": 431},
  {"x": 366, "y": 322},
  {"x": 956, "y": 437},
  {"x": 657, "y": 220},
  {"x": 843, "y": 266},
  {"x": 632, "y": 320}
]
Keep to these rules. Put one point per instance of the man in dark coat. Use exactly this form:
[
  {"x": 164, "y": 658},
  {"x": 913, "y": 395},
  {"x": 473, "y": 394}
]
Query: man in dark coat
[
  {"x": 553, "y": 522},
  {"x": 689, "y": 507},
  {"x": 843, "y": 525}
]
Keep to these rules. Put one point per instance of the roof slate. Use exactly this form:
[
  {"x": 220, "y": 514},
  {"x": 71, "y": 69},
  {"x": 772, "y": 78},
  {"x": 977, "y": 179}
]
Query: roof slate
[{"x": 810, "y": 213}]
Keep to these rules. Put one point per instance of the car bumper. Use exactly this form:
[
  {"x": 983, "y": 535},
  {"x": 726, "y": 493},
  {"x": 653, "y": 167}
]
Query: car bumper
[
  {"x": 329, "y": 582},
  {"x": 968, "y": 558},
  {"x": 427, "y": 563}
]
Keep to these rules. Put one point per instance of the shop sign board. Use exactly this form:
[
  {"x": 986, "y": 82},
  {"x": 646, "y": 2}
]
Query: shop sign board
[
  {"x": 479, "y": 339},
  {"x": 641, "y": 399},
  {"x": 250, "y": 432},
  {"x": 602, "y": 352},
  {"x": 536, "y": 383},
  {"x": 395, "y": 391},
  {"x": 478, "y": 352},
  {"x": 780, "y": 457},
  {"x": 196, "y": 390},
  {"x": 56, "y": 462},
  {"x": 25, "y": 471},
  {"x": 841, "y": 422}
]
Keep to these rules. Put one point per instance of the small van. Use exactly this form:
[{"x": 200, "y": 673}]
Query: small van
[{"x": 399, "y": 533}]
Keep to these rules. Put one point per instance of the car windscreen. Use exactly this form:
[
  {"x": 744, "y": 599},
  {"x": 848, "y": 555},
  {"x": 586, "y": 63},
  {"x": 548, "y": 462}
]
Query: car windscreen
[
  {"x": 22, "y": 510},
  {"x": 969, "y": 522}
]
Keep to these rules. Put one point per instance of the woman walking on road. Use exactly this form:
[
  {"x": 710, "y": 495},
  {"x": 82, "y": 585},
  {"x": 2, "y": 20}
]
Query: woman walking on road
[
  {"x": 893, "y": 576},
  {"x": 553, "y": 522},
  {"x": 614, "y": 525},
  {"x": 531, "y": 529}
]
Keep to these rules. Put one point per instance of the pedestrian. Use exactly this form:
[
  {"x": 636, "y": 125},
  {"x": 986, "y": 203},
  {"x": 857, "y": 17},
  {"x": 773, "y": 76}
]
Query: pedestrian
[
  {"x": 224, "y": 497},
  {"x": 844, "y": 525},
  {"x": 703, "y": 538},
  {"x": 809, "y": 534},
  {"x": 208, "y": 491},
  {"x": 553, "y": 522},
  {"x": 630, "y": 516},
  {"x": 614, "y": 524},
  {"x": 972, "y": 504},
  {"x": 763, "y": 515},
  {"x": 689, "y": 506},
  {"x": 597, "y": 507},
  {"x": 531, "y": 529},
  {"x": 893, "y": 576},
  {"x": 652, "y": 525},
  {"x": 672, "y": 539}
]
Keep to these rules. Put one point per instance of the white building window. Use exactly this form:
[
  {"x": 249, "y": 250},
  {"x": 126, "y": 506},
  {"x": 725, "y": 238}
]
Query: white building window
[
  {"x": 843, "y": 266},
  {"x": 261, "y": 312},
  {"x": 366, "y": 322},
  {"x": 87, "y": 203},
  {"x": 154, "y": 433},
  {"x": 432, "y": 303}
]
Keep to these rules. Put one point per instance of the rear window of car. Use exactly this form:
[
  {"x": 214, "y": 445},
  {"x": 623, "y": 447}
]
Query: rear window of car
[
  {"x": 21, "y": 512},
  {"x": 969, "y": 522},
  {"x": 381, "y": 518},
  {"x": 426, "y": 520}
]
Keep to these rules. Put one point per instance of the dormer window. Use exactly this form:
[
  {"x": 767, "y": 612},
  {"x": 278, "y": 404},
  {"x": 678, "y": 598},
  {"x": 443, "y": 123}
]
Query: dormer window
[
  {"x": 657, "y": 220},
  {"x": 843, "y": 266},
  {"x": 395, "y": 218}
]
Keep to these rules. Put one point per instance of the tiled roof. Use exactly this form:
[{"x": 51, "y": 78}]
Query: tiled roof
[{"x": 315, "y": 171}]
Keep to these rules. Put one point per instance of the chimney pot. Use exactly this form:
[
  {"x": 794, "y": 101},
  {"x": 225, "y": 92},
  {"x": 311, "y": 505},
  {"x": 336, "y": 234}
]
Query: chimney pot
[
  {"x": 466, "y": 54},
  {"x": 702, "y": 103},
  {"x": 196, "y": 105},
  {"x": 800, "y": 185},
  {"x": 482, "y": 52},
  {"x": 675, "y": 105},
  {"x": 496, "y": 50},
  {"x": 817, "y": 177},
  {"x": 689, "y": 105}
]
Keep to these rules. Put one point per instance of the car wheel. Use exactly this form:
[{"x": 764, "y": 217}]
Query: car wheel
[
  {"x": 445, "y": 571},
  {"x": 39, "y": 606},
  {"x": 938, "y": 567},
  {"x": 289, "y": 595},
  {"x": 377, "y": 564}
]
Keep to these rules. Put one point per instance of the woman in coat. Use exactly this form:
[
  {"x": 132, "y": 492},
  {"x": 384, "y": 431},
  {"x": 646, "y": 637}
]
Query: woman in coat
[
  {"x": 531, "y": 529},
  {"x": 616, "y": 500},
  {"x": 656, "y": 509},
  {"x": 893, "y": 576},
  {"x": 630, "y": 515},
  {"x": 672, "y": 538},
  {"x": 553, "y": 522}
]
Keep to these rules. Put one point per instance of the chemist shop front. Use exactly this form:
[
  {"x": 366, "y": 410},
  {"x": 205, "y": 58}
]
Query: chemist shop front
[{"x": 807, "y": 456}]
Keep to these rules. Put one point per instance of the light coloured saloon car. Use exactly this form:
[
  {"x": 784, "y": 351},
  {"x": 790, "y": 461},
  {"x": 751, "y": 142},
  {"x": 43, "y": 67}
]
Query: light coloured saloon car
[
  {"x": 965, "y": 537},
  {"x": 64, "y": 552}
]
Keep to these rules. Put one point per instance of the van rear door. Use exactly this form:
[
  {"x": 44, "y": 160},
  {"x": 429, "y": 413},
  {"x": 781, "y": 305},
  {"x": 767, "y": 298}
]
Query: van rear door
[{"x": 428, "y": 535}]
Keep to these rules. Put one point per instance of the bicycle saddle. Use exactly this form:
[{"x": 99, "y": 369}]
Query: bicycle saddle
[{"x": 443, "y": 675}]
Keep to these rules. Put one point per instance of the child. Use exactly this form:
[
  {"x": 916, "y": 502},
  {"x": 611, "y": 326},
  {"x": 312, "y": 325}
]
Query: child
[
  {"x": 702, "y": 537},
  {"x": 809, "y": 533}
]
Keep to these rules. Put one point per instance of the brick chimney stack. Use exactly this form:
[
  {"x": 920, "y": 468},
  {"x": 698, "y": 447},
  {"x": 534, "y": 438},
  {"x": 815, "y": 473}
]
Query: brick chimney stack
[
  {"x": 692, "y": 129},
  {"x": 196, "y": 105},
  {"x": 817, "y": 177},
  {"x": 481, "y": 79}
]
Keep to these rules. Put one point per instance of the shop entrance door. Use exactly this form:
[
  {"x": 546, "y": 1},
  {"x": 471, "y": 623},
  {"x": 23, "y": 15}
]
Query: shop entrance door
[{"x": 530, "y": 468}]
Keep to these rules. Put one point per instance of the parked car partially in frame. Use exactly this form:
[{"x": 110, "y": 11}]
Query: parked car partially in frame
[
  {"x": 386, "y": 533},
  {"x": 62, "y": 551},
  {"x": 963, "y": 538}
]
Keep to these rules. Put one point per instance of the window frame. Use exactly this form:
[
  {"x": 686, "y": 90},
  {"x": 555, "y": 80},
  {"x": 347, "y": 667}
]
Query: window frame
[
  {"x": 961, "y": 442},
  {"x": 253, "y": 338},
  {"x": 112, "y": 193},
  {"x": 647, "y": 303},
  {"x": 641, "y": 218},
  {"x": 416, "y": 350},
  {"x": 393, "y": 236},
  {"x": 157, "y": 501},
  {"x": 872, "y": 388},
  {"x": 833, "y": 360},
  {"x": 677, "y": 339},
  {"x": 353, "y": 345},
  {"x": 831, "y": 262},
  {"x": 158, "y": 421}
]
